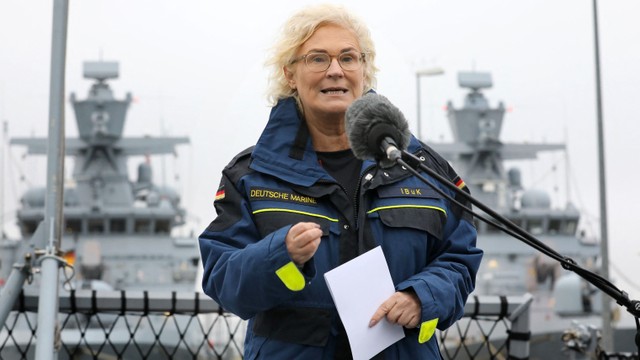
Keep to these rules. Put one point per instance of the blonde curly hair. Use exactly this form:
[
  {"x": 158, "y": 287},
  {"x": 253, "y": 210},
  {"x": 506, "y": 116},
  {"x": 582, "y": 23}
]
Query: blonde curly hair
[{"x": 298, "y": 29}]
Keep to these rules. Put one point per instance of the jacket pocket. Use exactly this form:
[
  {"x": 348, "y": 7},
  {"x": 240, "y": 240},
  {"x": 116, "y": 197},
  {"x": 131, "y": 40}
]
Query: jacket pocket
[
  {"x": 304, "y": 326},
  {"x": 271, "y": 219},
  {"x": 424, "y": 217}
]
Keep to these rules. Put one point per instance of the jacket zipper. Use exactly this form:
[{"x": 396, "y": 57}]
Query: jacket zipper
[{"x": 356, "y": 201}]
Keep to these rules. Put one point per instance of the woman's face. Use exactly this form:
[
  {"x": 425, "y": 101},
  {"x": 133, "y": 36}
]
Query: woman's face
[{"x": 330, "y": 92}]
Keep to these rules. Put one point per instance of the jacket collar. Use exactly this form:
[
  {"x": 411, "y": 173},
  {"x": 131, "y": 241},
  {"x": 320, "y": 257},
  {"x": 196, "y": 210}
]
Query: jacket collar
[{"x": 284, "y": 148}]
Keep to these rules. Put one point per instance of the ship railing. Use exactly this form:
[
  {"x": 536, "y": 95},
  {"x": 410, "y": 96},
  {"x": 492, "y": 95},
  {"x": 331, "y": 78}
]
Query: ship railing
[
  {"x": 171, "y": 325},
  {"x": 492, "y": 327}
]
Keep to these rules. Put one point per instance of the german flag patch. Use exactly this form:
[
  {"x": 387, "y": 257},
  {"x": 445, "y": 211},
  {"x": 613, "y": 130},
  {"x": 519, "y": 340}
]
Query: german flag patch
[
  {"x": 459, "y": 182},
  {"x": 219, "y": 194}
]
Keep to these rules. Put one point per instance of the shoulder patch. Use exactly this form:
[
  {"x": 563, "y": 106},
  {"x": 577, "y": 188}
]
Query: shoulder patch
[
  {"x": 459, "y": 182},
  {"x": 219, "y": 193}
]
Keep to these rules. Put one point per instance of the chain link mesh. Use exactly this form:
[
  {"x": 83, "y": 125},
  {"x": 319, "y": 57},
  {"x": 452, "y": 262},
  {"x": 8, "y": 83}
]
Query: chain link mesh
[{"x": 169, "y": 334}]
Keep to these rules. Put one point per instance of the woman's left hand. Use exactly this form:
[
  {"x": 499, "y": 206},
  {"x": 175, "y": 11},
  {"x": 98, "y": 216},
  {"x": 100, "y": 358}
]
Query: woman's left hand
[{"x": 402, "y": 308}]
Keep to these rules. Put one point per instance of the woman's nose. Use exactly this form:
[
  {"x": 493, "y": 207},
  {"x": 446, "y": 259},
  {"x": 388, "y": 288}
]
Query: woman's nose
[{"x": 334, "y": 68}]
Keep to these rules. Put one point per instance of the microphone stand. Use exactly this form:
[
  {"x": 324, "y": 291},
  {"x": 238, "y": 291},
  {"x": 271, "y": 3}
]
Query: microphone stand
[{"x": 621, "y": 297}]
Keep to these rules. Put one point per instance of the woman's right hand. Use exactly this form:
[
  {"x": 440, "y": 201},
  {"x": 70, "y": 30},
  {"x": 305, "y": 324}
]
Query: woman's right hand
[{"x": 302, "y": 241}]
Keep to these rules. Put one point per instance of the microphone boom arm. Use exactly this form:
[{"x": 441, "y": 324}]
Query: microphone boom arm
[{"x": 621, "y": 297}]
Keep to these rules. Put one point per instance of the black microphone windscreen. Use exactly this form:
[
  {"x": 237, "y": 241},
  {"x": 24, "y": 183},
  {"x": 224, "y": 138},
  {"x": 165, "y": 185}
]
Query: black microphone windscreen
[{"x": 369, "y": 120}]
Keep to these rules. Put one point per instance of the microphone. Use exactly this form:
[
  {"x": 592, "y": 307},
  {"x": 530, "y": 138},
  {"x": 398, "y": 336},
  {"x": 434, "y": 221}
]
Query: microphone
[{"x": 376, "y": 128}]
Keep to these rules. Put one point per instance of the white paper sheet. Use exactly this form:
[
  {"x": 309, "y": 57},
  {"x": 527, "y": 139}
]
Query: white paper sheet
[{"x": 358, "y": 287}]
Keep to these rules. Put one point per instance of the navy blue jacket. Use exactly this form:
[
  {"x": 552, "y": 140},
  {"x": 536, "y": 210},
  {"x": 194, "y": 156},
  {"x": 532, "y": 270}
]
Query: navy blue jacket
[{"x": 429, "y": 244}]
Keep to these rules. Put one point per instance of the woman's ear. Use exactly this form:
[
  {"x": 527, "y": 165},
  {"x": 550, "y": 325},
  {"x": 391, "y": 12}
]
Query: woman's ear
[{"x": 288, "y": 74}]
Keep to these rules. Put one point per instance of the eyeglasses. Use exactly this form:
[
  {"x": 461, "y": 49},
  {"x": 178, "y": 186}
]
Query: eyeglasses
[{"x": 319, "y": 62}]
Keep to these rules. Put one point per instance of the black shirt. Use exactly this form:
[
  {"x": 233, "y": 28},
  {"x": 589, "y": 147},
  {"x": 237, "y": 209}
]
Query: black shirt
[{"x": 344, "y": 167}]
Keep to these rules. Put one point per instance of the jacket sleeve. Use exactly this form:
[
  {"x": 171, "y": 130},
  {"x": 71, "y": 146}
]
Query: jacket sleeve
[
  {"x": 244, "y": 273},
  {"x": 449, "y": 276}
]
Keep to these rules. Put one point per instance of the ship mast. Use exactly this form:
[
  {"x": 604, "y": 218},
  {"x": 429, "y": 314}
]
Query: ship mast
[{"x": 607, "y": 331}]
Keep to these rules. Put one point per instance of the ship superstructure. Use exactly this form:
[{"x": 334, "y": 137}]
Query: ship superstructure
[
  {"x": 509, "y": 266},
  {"x": 118, "y": 230}
]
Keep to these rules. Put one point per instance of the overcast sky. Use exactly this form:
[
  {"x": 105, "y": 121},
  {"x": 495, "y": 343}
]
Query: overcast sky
[{"x": 196, "y": 69}]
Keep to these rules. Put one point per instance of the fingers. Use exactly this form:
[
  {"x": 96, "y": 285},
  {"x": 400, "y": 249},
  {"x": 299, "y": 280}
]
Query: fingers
[
  {"x": 408, "y": 320},
  {"x": 301, "y": 227},
  {"x": 402, "y": 308},
  {"x": 305, "y": 233},
  {"x": 382, "y": 311},
  {"x": 302, "y": 241}
]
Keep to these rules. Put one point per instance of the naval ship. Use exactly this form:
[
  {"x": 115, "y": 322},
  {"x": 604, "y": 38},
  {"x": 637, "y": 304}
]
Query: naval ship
[
  {"x": 109, "y": 220},
  {"x": 119, "y": 245},
  {"x": 509, "y": 266}
]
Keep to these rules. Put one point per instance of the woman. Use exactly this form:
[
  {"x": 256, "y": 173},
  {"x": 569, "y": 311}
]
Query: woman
[{"x": 299, "y": 203}]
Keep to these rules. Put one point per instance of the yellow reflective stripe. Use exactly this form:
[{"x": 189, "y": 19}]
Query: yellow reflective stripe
[
  {"x": 291, "y": 276},
  {"x": 427, "y": 329},
  {"x": 295, "y": 212},
  {"x": 407, "y": 206}
]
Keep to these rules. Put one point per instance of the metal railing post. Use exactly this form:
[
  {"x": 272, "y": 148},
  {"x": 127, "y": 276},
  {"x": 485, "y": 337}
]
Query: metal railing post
[
  {"x": 48, "y": 301},
  {"x": 520, "y": 333}
]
